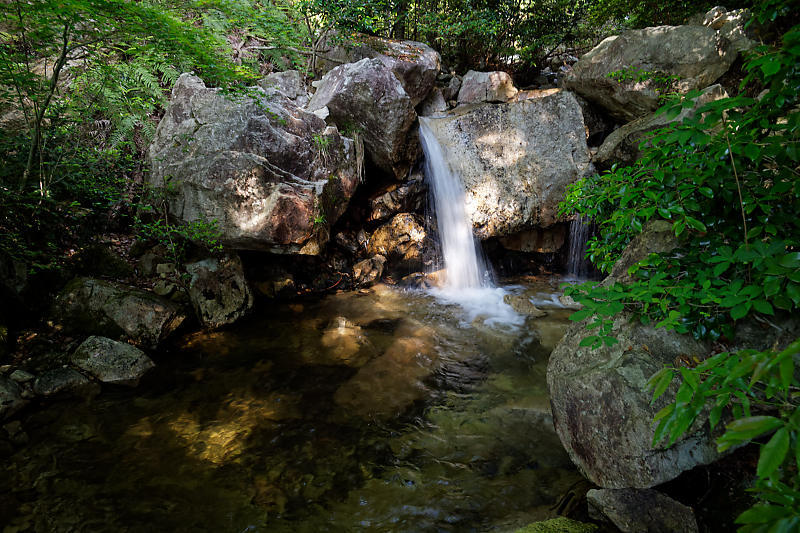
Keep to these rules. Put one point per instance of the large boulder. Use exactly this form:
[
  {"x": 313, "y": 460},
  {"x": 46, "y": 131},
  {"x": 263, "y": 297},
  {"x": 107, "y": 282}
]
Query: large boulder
[
  {"x": 271, "y": 175},
  {"x": 289, "y": 83},
  {"x": 111, "y": 362},
  {"x": 93, "y": 306},
  {"x": 366, "y": 97},
  {"x": 403, "y": 241},
  {"x": 634, "y": 511},
  {"x": 697, "y": 55},
  {"x": 515, "y": 160},
  {"x": 477, "y": 87},
  {"x": 219, "y": 291},
  {"x": 415, "y": 64},
  {"x": 622, "y": 145}
]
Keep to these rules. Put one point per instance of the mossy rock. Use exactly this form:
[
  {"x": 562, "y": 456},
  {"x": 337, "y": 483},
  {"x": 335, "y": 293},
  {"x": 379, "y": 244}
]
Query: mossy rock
[{"x": 558, "y": 525}]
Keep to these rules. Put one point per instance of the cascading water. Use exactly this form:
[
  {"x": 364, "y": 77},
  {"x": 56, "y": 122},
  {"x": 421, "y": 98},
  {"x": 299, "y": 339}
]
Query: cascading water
[
  {"x": 577, "y": 264},
  {"x": 468, "y": 282}
]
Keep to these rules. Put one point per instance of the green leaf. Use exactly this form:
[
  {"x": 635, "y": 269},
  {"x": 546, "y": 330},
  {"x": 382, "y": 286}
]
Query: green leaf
[
  {"x": 696, "y": 224},
  {"x": 740, "y": 311},
  {"x": 577, "y": 316},
  {"x": 752, "y": 151},
  {"x": 591, "y": 340},
  {"x": 763, "y": 306},
  {"x": 706, "y": 191},
  {"x": 791, "y": 260},
  {"x": 660, "y": 382},
  {"x": 762, "y": 514},
  {"x": 773, "y": 453}
]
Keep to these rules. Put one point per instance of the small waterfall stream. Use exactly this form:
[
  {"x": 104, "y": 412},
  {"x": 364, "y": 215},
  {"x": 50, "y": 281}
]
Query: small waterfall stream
[
  {"x": 577, "y": 264},
  {"x": 468, "y": 281}
]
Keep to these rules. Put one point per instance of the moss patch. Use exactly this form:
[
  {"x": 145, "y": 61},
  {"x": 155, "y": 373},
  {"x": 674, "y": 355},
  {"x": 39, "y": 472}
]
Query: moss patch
[{"x": 558, "y": 525}]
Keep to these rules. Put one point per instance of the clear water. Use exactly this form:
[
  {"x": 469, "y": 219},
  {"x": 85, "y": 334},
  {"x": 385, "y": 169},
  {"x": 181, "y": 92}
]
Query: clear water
[{"x": 379, "y": 410}]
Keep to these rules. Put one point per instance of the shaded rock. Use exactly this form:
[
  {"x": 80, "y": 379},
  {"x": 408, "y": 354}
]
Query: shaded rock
[
  {"x": 515, "y": 160},
  {"x": 146, "y": 265},
  {"x": 21, "y": 376},
  {"x": 368, "y": 271},
  {"x": 477, "y": 87},
  {"x": 271, "y": 175},
  {"x": 622, "y": 145},
  {"x": 697, "y": 54},
  {"x": 366, "y": 97},
  {"x": 279, "y": 285},
  {"x": 11, "y": 399},
  {"x": 3, "y": 342},
  {"x": 433, "y": 104},
  {"x": 403, "y": 241},
  {"x": 598, "y": 124},
  {"x": 13, "y": 280},
  {"x": 100, "y": 260},
  {"x": 219, "y": 291},
  {"x": 59, "y": 380},
  {"x": 289, "y": 83},
  {"x": 547, "y": 240},
  {"x": 656, "y": 237},
  {"x": 415, "y": 64},
  {"x": 111, "y": 362},
  {"x": 558, "y": 525},
  {"x": 409, "y": 196},
  {"x": 450, "y": 92},
  {"x": 635, "y": 511},
  {"x": 93, "y": 306}
]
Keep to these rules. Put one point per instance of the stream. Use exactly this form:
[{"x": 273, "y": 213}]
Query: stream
[{"x": 374, "y": 410}]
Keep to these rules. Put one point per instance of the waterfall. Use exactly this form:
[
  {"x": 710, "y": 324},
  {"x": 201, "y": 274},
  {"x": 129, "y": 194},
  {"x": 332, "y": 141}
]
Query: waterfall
[
  {"x": 577, "y": 264},
  {"x": 468, "y": 282},
  {"x": 464, "y": 265}
]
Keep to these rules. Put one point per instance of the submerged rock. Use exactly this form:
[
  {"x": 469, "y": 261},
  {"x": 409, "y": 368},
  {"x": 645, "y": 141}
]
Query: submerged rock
[
  {"x": 111, "y": 362},
  {"x": 345, "y": 343},
  {"x": 697, "y": 55},
  {"x": 366, "y": 97},
  {"x": 634, "y": 510},
  {"x": 94, "y": 306},
  {"x": 515, "y": 160},
  {"x": 219, "y": 291},
  {"x": 271, "y": 175},
  {"x": 477, "y": 87}
]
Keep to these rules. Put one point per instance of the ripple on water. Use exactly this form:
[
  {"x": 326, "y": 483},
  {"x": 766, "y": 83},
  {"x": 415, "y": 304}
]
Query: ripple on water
[{"x": 381, "y": 411}]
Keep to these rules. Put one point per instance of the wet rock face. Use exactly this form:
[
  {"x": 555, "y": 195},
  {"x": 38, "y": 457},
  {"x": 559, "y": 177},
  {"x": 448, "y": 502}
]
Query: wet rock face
[
  {"x": 415, "y": 64},
  {"x": 219, "y": 291},
  {"x": 368, "y": 271},
  {"x": 698, "y": 55},
  {"x": 633, "y": 510},
  {"x": 409, "y": 196},
  {"x": 94, "y": 306},
  {"x": 111, "y": 362},
  {"x": 262, "y": 168},
  {"x": 477, "y": 87},
  {"x": 367, "y": 97},
  {"x": 403, "y": 241},
  {"x": 515, "y": 160}
]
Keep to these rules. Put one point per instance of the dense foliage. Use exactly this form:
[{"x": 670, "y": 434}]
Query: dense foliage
[{"x": 728, "y": 182}]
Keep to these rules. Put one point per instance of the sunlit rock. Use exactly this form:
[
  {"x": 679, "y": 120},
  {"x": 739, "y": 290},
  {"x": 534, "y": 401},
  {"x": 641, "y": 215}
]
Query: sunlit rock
[
  {"x": 403, "y": 241},
  {"x": 696, "y": 55},
  {"x": 477, "y": 87},
  {"x": 369, "y": 270},
  {"x": 515, "y": 160},
  {"x": 367, "y": 98},
  {"x": 270, "y": 175}
]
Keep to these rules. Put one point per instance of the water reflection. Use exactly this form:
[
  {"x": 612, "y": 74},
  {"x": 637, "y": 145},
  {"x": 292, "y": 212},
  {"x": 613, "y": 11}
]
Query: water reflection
[{"x": 365, "y": 411}]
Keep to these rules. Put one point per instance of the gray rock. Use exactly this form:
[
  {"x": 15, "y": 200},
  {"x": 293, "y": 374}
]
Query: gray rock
[
  {"x": 403, "y": 241},
  {"x": 415, "y": 64},
  {"x": 368, "y": 271},
  {"x": 219, "y": 291},
  {"x": 289, "y": 83},
  {"x": 622, "y": 145},
  {"x": 451, "y": 91},
  {"x": 94, "y": 306},
  {"x": 20, "y": 376},
  {"x": 515, "y": 160},
  {"x": 697, "y": 54},
  {"x": 366, "y": 96},
  {"x": 11, "y": 399},
  {"x": 638, "y": 511},
  {"x": 434, "y": 104},
  {"x": 111, "y": 362},
  {"x": 547, "y": 240},
  {"x": 477, "y": 87},
  {"x": 59, "y": 380},
  {"x": 262, "y": 168}
]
